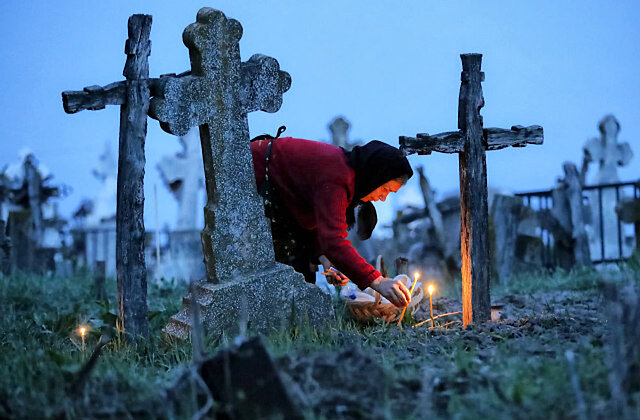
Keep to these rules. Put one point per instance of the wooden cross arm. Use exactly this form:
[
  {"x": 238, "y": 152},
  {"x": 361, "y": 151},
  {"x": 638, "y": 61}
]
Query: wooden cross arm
[
  {"x": 97, "y": 97},
  {"x": 453, "y": 141},
  {"x": 94, "y": 97}
]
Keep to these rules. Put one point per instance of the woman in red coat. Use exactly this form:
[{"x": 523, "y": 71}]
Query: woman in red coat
[{"x": 311, "y": 191}]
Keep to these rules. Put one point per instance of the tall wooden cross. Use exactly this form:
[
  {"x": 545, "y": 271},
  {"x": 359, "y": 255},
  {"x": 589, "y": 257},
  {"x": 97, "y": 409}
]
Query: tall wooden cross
[
  {"x": 133, "y": 97},
  {"x": 470, "y": 142}
]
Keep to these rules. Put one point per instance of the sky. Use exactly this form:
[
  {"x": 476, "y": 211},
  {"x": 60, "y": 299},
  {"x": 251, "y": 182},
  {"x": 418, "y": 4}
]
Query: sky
[{"x": 390, "y": 68}]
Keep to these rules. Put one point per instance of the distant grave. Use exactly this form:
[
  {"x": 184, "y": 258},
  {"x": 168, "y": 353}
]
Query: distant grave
[
  {"x": 183, "y": 175},
  {"x": 607, "y": 153},
  {"x": 470, "y": 142}
]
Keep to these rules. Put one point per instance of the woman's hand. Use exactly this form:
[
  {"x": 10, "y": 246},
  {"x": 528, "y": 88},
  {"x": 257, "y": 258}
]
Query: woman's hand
[
  {"x": 334, "y": 276},
  {"x": 394, "y": 290}
]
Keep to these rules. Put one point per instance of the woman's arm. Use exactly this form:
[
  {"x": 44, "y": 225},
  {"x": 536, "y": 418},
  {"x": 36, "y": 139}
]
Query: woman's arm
[{"x": 330, "y": 203}]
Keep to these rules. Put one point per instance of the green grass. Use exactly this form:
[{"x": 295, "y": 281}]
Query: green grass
[{"x": 517, "y": 372}]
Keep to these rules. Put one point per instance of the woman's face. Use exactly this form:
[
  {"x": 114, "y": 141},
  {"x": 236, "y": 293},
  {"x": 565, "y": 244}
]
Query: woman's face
[{"x": 383, "y": 191}]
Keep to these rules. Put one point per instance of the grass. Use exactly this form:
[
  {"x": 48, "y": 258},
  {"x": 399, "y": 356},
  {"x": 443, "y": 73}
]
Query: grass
[{"x": 503, "y": 372}]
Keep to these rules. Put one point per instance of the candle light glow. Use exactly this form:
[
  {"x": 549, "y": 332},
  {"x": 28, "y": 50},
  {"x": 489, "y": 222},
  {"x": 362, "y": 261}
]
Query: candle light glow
[{"x": 82, "y": 331}]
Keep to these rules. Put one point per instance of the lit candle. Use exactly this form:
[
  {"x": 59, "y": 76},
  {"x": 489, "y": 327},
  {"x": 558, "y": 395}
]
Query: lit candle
[
  {"x": 430, "y": 289},
  {"x": 415, "y": 279},
  {"x": 82, "y": 331}
]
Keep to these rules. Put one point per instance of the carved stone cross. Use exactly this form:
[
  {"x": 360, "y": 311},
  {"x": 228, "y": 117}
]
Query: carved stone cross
[
  {"x": 183, "y": 174},
  {"x": 607, "y": 152},
  {"x": 339, "y": 129},
  {"x": 217, "y": 95},
  {"x": 133, "y": 97},
  {"x": 470, "y": 142}
]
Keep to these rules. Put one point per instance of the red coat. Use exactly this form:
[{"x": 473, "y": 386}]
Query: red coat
[{"x": 316, "y": 184}]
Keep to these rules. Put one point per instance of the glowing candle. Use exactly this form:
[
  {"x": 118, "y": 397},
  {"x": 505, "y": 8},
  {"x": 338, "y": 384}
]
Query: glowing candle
[
  {"x": 82, "y": 331},
  {"x": 415, "y": 279},
  {"x": 430, "y": 289}
]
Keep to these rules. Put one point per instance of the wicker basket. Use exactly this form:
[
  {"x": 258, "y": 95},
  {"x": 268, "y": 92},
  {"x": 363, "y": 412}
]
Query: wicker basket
[{"x": 366, "y": 311}]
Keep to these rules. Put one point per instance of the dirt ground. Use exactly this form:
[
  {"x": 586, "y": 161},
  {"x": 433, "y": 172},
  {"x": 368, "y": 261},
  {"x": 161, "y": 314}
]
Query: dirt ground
[{"x": 517, "y": 367}]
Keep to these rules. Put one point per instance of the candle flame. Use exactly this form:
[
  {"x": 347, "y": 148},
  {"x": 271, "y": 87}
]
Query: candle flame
[
  {"x": 431, "y": 289},
  {"x": 416, "y": 275},
  {"x": 82, "y": 331}
]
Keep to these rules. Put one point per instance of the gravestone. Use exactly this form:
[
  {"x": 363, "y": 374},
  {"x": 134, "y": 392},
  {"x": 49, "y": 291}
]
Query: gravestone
[
  {"x": 104, "y": 203},
  {"x": 470, "y": 142},
  {"x": 217, "y": 96},
  {"x": 570, "y": 238},
  {"x": 133, "y": 97},
  {"x": 608, "y": 154},
  {"x": 182, "y": 174},
  {"x": 339, "y": 129},
  {"x": 505, "y": 213},
  {"x": 98, "y": 216},
  {"x": 23, "y": 243}
]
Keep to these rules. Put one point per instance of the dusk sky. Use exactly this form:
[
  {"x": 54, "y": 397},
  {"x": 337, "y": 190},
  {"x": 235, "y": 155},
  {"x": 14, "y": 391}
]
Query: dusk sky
[{"x": 390, "y": 68}]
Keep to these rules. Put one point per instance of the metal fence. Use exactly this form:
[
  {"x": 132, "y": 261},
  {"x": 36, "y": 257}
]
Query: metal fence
[{"x": 540, "y": 201}]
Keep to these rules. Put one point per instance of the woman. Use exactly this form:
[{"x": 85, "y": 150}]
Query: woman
[{"x": 311, "y": 191}]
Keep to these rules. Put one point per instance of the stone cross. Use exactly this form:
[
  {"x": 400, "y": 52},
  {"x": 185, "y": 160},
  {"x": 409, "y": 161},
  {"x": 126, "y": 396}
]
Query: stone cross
[
  {"x": 133, "y": 97},
  {"x": 608, "y": 154},
  {"x": 183, "y": 174},
  {"x": 339, "y": 129},
  {"x": 568, "y": 211},
  {"x": 471, "y": 142},
  {"x": 217, "y": 95},
  {"x": 104, "y": 202}
]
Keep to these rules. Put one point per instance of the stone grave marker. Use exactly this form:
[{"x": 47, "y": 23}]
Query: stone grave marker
[
  {"x": 183, "y": 175},
  {"x": 339, "y": 128},
  {"x": 23, "y": 243},
  {"x": 217, "y": 95},
  {"x": 572, "y": 243},
  {"x": 133, "y": 97},
  {"x": 505, "y": 212},
  {"x": 608, "y": 154},
  {"x": 470, "y": 142}
]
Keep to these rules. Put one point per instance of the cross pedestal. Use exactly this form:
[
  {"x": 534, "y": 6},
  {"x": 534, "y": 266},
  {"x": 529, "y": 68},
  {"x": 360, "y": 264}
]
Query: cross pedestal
[
  {"x": 470, "y": 142},
  {"x": 217, "y": 95}
]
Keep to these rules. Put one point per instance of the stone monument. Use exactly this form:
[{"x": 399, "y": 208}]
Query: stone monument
[
  {"x": 217, "y": 96},
  {"x": 608, "y": 154},
  {"x": 183, "y": 175},
  {"x": 99, "y": 226},
  {"x": 339, "y": 129}
]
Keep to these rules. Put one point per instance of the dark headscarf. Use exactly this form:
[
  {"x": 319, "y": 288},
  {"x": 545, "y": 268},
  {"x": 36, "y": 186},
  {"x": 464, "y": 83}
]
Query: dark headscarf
[{"x": 375, "y": 163}]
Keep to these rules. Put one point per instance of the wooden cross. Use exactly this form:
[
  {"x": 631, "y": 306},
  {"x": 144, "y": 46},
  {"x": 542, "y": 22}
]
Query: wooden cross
[
  {"x": 217, "y": 96},
  {"x": 470, "y": 142},
  {"x": 133, "y": 97}
]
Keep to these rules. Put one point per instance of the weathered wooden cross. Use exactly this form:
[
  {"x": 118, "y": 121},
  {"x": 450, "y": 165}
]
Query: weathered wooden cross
[
  {"x": 470, "y": 142},
  {"x": 217, "y": 95},
  {"x": 133, "y": 97}
]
